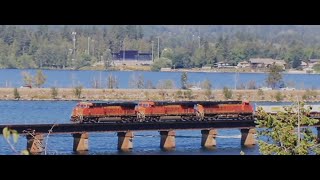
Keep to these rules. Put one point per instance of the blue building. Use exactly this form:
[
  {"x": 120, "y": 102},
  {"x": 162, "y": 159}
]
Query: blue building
[{"x": 132, "y": 55}]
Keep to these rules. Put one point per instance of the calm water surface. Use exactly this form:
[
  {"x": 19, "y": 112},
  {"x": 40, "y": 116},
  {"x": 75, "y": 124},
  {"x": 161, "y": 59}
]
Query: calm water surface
[
  {"x": 68, "y": 78},
  {"x": 187, "y": 142}
]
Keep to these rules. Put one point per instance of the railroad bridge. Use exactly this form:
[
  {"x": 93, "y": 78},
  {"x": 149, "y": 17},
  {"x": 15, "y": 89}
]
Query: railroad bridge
[{"x": 125, "y": 131}]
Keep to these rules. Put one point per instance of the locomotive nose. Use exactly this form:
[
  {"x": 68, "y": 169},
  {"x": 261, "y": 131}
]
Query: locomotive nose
[
  {"x": 76, "y": 114},
  {"x": 73, "y": 113}
]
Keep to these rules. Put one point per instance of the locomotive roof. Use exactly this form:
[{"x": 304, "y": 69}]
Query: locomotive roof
[
  {"x": 160, "y": 103},
  {"x": 102, "y": 104},
  {"x": 191, "y": 103}
]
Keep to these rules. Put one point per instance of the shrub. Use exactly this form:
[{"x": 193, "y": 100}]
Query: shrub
[
  {"x": 16, "y": 93},
  {"x": 188, "y": 94},
  {"x": 208, "y": 93},
  {"x": 260, "y": 92},
  {"x": 279, "y": 96},
  {"x": 179, "y": 94},
  {"x": 54, "y": 92},
  {"x": 77, "y": 91},
  {"x": 227, "y": 93}
]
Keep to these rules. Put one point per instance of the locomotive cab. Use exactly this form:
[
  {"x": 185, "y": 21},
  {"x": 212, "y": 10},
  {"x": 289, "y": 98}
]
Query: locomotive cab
[
  {"x": 247, "y": 107},
  {"x": 77, "y": 113},
  {"x": 142, "y": 108},
  {"x": 144, "y": 105},
  {"x": 245, "y": 102}
]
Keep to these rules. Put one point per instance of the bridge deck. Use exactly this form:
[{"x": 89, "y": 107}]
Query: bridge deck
[{"x": 117, "y": 127}]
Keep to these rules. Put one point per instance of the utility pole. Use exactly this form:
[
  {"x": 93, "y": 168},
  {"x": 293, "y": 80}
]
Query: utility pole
[
  {"x": 74, "y": 45},
  {"x": 100, "y": 82},
  {"x": 158, "y": 48},
  {"x": 298, "y": 143},
  {"x": 199, "y": 41},
  {"x": 124, "y": 50},
  {"x": 88, "y": 45},
  {"x": 152, "y": 50},
  {"x": 93, "y": 47},
  {"x": 109, "y": 58},
  {"x": 236, "y": 78},
  {"x": 235, "y": 81}
]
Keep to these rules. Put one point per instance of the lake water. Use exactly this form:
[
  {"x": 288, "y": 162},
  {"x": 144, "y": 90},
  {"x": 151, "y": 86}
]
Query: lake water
[
  {"x": 144, "y": 143},
  {"x": 69, "y": 78},
  {"x": 187, "y": 142}
]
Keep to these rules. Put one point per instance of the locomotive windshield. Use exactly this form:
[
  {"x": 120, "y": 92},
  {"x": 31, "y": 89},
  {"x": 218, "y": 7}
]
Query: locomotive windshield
[
  {"x": 82, "y": 105},
  {"x": 144, "y": 105}
]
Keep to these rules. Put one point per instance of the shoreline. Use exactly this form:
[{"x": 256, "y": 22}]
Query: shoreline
[
  {"x": 174, "y": 70},
  {"x": 68, "y": 94}
]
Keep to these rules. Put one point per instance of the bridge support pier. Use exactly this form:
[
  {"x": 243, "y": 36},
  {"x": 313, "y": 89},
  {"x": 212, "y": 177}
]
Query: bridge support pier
[
  {"x": 34, "y": 143},
  {"x": 208, "y": 138},
  {"x": 248, "y": 137},
  {"x": 168, "y": 139},
  {"x": 80, "y": 141},
  {"x": 125, "y": 140}
]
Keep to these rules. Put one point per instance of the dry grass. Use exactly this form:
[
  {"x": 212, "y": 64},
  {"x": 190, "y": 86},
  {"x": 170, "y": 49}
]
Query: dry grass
[{"x": 150, "y": 94}]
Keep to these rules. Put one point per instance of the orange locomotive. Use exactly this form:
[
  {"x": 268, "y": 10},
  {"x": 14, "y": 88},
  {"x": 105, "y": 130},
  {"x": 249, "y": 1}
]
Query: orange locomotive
[
  {"x": 101, "y": 111},
  {"x": 147, "y": 111},
  {"x": 194, "y": 110},
  {"x": 157, "y": 111},
  {"x": 225, "y": 110}
]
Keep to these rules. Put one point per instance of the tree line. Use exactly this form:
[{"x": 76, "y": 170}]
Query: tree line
[{"x": 179, "y": 46}]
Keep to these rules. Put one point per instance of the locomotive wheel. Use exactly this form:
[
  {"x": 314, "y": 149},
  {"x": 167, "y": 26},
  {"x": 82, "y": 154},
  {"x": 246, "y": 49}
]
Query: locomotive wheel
[
  {"x": 249, "y": 117},
  {"x": 189, "y": 118},
  {"x": 136, "y": 120},
  {"x": 214, "y": 118},
  {"x": 84, "y": 120},
  {"x": 125, "y": 119},
  {"x": 157, "y": 119}
]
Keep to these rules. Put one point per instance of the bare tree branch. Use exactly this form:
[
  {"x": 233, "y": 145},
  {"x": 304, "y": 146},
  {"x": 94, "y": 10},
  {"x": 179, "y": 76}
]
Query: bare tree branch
[{"x": 47, "y": 138}]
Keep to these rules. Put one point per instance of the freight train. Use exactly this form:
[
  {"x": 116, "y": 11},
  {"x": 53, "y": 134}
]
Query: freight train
[{"x": 157, "y": 111}]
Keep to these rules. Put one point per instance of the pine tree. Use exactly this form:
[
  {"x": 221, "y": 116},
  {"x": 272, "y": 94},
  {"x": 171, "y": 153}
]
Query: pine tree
[
  {"x": 274, "y": 76},
  {"x": 184, "y": 80},
  {"x": 16, "y": 93}
]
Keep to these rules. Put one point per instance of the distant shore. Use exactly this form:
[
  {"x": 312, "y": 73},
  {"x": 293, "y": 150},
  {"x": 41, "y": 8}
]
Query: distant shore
[
  {"x": 235, "y": 70},
  {"x": 68, "y": 94},
  {"x": 148, "y": 69}
]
